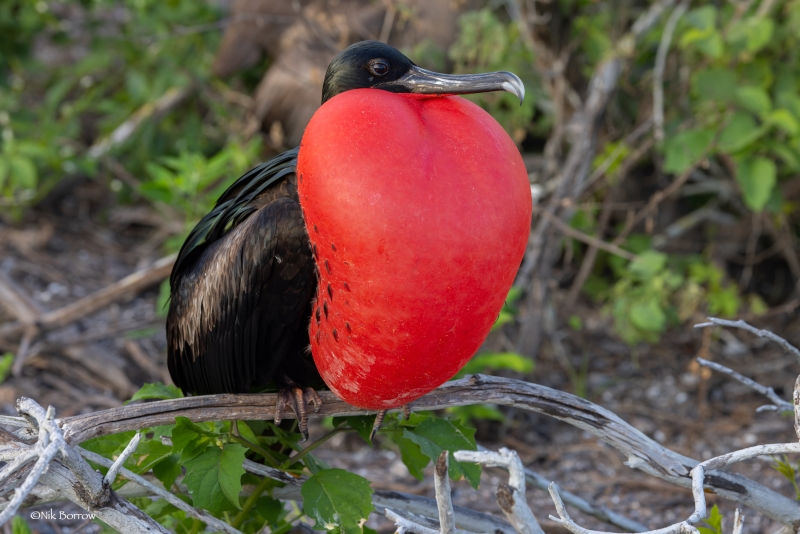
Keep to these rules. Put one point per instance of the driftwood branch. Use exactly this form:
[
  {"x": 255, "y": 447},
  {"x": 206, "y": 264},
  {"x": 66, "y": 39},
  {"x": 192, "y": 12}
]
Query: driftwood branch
[
  {"x": 60, "y": 468},
  {"x": 642, "y": 452},
  {"x": 511, "y": 497}
]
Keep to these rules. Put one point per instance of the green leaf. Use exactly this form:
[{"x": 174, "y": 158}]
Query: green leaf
[
  {"x": 702, "y": 18},
  {"x": 753, "y": 33},
  {"x": 741, "y": 132},
  {"x": 753, "y": 99},
  {"x": 714, "y": 522},
  {"x": 6, "y": 361},
  {"x": 157, "y": 391},
  {"x": 339, "y": 501},
  {"x": 168, "y": 470},
  {"x": 435, "y": 435},
  {"x": 361, "y": 423},
  {"x": 648, "y": 264},
  {"x": 647, "y": 315},
  {"x": 20, "y": 526},
  {"x": 214, "y": 477},
  {"x": 23, "y": 172},
  {"x": 497, "y": 360},
  {"x": 412, "y": 456},
  {"x": 109, "y": 446},
  {"x": 783, "y": 119},
  {"x": 715, "y": 84},
  {"x": 685, "y": 148},
  {"x": 269, "y": 509},
  {"x": 190, "y": 439},
  {"x": 757, "y": 178}
]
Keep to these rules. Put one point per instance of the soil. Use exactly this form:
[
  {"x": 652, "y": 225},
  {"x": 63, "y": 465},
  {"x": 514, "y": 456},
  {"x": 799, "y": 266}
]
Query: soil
[{"x": 74, "y": 244}]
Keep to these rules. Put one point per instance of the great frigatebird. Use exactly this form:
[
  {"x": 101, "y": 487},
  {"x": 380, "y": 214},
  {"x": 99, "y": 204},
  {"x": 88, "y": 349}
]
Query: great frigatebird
[{"x": 243, "y": 284}]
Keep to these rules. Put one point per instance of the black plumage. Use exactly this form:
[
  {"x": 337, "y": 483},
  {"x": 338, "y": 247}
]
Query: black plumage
[
  {"x": 242, "y": 288},
  {"x": 243, "y": 284}
]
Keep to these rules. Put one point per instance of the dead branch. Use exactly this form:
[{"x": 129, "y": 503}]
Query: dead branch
[
  {"x": 88, "y": 305},
  {"x": 60, "y": 468},
  {"x": 658, "y": 70},
  {"x": 511, "y": 497},
  {"x": 788, "y": 347},
  {"x": 777, "y": 402},
  {"x": 642, "y": 452}
]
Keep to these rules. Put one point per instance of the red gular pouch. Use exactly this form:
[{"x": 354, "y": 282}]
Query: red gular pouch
[{"x": 418, "y": 209}]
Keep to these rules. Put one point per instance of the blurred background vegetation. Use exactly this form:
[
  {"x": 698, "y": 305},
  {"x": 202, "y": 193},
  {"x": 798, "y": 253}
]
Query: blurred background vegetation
[{"x": 125, "y": 93}]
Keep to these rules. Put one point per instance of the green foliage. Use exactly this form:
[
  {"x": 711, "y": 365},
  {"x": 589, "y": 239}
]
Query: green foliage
[
  {"x": 6, "y": 361},
  {"x": 214, "y": 477},
  {"x": 90, "y": 79},
  {"x": 657, "y": 290},
  {"x": 157, "y": 391},
  {"x": 713, "y": 522},
  {"x": 338, "y": 501},
  {"x": 20, "y": 526},
  {"x": 745, "y": 84},
  {"x": 422, "y": 439},
  {"x": 789, "y": 471}
]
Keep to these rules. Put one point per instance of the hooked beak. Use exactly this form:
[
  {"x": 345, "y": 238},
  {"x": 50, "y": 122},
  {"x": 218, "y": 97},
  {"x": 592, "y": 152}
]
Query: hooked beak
[{"x": 421, "y": 81}]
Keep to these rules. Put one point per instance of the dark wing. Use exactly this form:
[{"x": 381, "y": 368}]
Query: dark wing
[{"x": 242, "y": 287}]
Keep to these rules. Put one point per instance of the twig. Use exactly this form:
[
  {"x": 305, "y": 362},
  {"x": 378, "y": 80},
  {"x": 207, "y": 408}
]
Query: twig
[
  {"x": 441, "y": 484},
  {"x": 600, "y": 512},
  {"x": 585, "y": 238},
  {"x": 778, "y": 402},
  {"x": 203, "y": 516},
  {"x": 111, "y": 475},
  {"x": 97, "y": 300},
  {"x": 15, "y": 301},
  {"x": 658, "y": 71},
  {"x": 406, "y": 526},
  {"x": 738, "y": 522},
  {"x": 511, "y": 496},
  {"x": 796, "y": 399},
  {"x": 169, "y": 100},
  {"x": 788, "y": 347}
]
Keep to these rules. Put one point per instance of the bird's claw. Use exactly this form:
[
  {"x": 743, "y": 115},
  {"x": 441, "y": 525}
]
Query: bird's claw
[
  {"x": 297, "y": 398},
  {"x": 377, "y": 424}
]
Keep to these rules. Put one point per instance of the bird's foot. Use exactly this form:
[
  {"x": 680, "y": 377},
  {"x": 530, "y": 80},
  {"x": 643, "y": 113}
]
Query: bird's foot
[
  {"x": 297, "y": 398},
  {"x": 406, "y": 412},
  {"x": 377, "y": 424}
]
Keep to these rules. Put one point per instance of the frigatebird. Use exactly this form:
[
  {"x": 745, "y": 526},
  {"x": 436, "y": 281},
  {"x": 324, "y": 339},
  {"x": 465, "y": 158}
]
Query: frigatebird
[{"x": 244, "y": 284}]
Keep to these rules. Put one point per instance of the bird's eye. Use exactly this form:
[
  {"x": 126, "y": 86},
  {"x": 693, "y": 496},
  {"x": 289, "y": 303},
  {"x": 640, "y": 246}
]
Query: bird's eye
[{"x": 379, "y": 67}]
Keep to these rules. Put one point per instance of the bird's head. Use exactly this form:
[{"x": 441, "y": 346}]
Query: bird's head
[{"x": 372, "y": 64}]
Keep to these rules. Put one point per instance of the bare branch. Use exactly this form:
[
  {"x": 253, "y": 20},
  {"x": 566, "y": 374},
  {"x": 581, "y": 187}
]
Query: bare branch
[
  {"x": 441, "y": 483},
  {"x": 511, "y": 496},
  {"x": 600, "y": 512},
  {"x": 796, "y": 399},
  {"x": 70, "y": 476},
  {"x": 658, "y": 71},
  {"x": 788, "y": 347},
  {"x": 111, "y": 475},
  {"x": 406, "y": 526},
  {"x": 89, "y": 304},
  {"x": 781, "y": 404},
  {"x": 203, "y": 516},
  {"x": 738, "y": 522}
]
